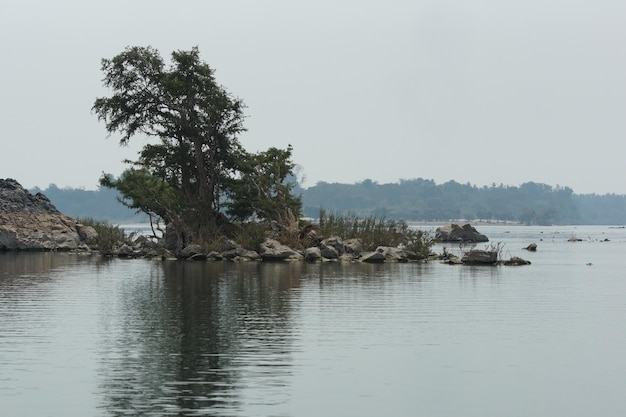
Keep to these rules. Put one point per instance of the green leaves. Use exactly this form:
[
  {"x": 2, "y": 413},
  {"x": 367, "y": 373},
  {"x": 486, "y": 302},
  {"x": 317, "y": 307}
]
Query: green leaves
[{"x": 198, "y": 162}]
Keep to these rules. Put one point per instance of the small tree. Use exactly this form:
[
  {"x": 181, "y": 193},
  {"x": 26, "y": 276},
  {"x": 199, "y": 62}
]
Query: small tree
[{"x": 264, "y": 189}]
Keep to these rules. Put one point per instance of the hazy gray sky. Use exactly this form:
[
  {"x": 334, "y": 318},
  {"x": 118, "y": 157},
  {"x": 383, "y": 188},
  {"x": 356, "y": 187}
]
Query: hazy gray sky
[{"x": 480, "y": 91}]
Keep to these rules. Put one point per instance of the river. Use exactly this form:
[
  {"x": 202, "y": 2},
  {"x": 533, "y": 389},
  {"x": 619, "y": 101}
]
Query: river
[{"x": 83, "y": 336}]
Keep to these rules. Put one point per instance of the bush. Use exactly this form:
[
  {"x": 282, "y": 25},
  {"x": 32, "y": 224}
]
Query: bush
[
  {"x": 109, "y": 236},
  {"x": 374, "y": 232},
  {"x": 250, "y": 235}
]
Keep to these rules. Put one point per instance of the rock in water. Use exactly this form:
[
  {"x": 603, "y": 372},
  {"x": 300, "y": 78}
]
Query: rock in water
[
  {"x": 456, "y": 233},
  {"x": 31, "y": 222}
]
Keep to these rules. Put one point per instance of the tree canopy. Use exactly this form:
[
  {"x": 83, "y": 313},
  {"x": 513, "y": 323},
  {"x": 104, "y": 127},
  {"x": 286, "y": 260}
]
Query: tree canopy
[{"x": 198, "y": 170}]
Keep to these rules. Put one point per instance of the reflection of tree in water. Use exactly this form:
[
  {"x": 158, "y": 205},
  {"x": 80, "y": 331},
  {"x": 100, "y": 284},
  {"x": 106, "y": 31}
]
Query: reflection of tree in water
[{"x": 207, "y": 337}]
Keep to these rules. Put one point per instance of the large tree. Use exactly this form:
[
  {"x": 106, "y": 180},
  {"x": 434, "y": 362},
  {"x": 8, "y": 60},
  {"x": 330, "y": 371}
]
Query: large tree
[{"x": 190, "y": 172}]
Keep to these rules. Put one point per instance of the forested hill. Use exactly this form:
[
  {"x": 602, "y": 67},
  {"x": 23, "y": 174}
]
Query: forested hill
[
  {"x": 101, "y": 204},
  {"x": 424, "y": 200},
  {"x": 417, "y": 199}
]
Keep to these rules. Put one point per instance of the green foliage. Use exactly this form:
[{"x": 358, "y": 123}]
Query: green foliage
[
  {"x": 250, "y": 235},
  {"x": 374, "y": 232},
  {"x": 196, "y": 121},
  {"x": 109, "y": 236},
  {"x": 263, "y": 190},
  {"x": 198, "y": 163}
]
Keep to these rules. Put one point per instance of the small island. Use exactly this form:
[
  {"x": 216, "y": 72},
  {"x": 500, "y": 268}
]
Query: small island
[{"x": 205, "y": 196}]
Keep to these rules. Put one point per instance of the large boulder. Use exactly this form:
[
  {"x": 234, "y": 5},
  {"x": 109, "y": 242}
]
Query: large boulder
[
  {"x": 233, "y": 251},
  {"x": 353, "y": 247},
  {"x": 312, "y": 254},
  {"x": 31, "y": 222},
  {"x": 456, "y": 233},
  {"x": 273, "y": 250},
  {"x": 334, "y": 245},
  {"x": 480, "y": 257},
  {"x": 385, "y": 254},
  {"x": 193, "y": 252}
]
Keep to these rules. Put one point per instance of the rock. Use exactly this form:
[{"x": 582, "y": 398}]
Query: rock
[
  {"x": 230, "y": 245},
  {"x": 386, "y": 254},
  {"x": 193, "y": 252},
  {"x": 273, "y": 250},
  {"x": 87, "y": 234},
  {"x": 516, "y": 261},
  {"x": 335, "y": 243},
  {"x": 452, "y": 259},
  {"x": 215, "y": 256},
  {"x": 373, "y": 257},
  {"x": 353, "y": 247},
  {"x": 31, "y": 222},
  {"x": 125, "y": 251},
  {"x": 312, "y": 254},
  {"x": 240, "y": 254},
  {"x": 329, "y": 252},
  {"x": 393, "y": 254},
  {"x": 456, "y": 233},
  {"x": 532, "y": 247},
  {"x": 480, "y": 257}
]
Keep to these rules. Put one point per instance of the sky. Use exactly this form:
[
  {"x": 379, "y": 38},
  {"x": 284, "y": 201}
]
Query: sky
[{"x": 475, "y": 91}]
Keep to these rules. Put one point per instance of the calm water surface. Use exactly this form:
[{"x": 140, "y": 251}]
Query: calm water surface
[{"x": 82, "y": 336}]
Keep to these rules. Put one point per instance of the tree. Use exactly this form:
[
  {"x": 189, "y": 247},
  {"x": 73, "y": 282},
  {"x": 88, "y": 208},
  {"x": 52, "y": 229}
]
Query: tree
[
  {"x": 198, "y": 160},
  {"x": 265, "y": 191}
]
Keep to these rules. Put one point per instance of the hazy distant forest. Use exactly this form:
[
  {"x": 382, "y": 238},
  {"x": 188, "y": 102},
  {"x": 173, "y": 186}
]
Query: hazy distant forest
[{"x": 411, "y": 200}]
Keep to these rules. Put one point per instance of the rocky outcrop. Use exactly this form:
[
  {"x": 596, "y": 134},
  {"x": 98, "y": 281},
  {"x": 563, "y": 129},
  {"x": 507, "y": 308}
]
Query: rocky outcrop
[
  {"x": 455, "y": 233},
  {"x": 31, "y": 222}
]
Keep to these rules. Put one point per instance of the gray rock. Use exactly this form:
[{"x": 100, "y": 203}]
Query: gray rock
[
  {"x": 273, "y": 250},
  {"x": 480, "y": 257},
  {"x": 373, "y": 257},
  {"x": 353, "y": 247},
  {"x": 125, "y": 251},
  {"x": 240, "y": 253},
  {"x": 193, "y": 252},
  {"x": 87, "y": 234},
  {"x": 329, "y": 252},
  {"x": 516, "y": 261},
  {"x": 312, "y": 254},
  {"x": 334, "y": 242},
  {"x": 456, "y": 233},
  {"x": 532, "y": 247}
]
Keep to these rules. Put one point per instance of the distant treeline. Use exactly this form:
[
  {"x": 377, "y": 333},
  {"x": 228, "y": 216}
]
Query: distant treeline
[
  {"x": 413, "y": 200},
  {"x": 424, "y": 200},
  {"x": 101, "y": 204}
]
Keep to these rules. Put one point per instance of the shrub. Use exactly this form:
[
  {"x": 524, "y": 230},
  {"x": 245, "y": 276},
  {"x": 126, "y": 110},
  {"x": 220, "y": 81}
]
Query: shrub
[
  {"x": 374, "y": 232},
  {"x": 109, "y": 236},
  {"x": 250, "y": 235}
]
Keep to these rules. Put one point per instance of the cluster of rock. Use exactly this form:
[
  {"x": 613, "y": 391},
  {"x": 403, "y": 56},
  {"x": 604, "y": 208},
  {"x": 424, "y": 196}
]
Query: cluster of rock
[
  {"x": 331, "y": 249},
  {"x": 31, "y": 222}
]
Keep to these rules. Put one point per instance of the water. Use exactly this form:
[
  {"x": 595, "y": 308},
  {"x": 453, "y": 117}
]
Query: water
[{"x": 82, "y": 336}]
